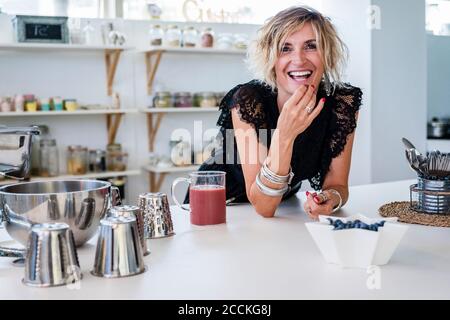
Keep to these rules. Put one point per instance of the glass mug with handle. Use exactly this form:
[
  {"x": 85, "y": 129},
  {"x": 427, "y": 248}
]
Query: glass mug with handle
[{"x": 207, "y": 197}]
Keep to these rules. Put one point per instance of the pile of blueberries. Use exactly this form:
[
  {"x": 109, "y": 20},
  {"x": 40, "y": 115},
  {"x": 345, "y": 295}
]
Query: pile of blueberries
[{"x": 339, "y": 225}]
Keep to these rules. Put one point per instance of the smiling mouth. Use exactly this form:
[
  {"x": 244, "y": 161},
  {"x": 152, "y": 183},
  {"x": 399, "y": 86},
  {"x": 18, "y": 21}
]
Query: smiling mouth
[{"x": 300, "y": 75}]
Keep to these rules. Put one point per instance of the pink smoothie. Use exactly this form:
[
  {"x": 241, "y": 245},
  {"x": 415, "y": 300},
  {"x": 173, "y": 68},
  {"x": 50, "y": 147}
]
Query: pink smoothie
[{"x": 207, "y": 205}]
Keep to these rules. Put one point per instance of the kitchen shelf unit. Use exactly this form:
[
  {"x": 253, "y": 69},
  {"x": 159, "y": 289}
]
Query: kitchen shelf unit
[
  {"x": 153, "y": 56},
  {"x": 157, "y": 174},
  {"x": 111, "y": 54},
  {"x": 90, "y": 175},
  {"x": 113, "y": 117}
]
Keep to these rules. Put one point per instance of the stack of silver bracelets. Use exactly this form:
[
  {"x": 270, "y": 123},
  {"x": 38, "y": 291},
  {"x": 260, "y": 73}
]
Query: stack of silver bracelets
[{"x": 274, "y": 178}]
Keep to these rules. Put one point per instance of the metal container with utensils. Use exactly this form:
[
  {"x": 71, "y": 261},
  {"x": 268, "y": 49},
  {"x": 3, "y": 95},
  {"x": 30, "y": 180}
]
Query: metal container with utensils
[
  {"x": 157, "y": 217},
  {"x": 431, "y": 196},
  {"x": 118, "y": 252},
  {"x": 132, "y": 211},
  {"x": 79, "y": 203},
  {"x": 51, "y": 258}
]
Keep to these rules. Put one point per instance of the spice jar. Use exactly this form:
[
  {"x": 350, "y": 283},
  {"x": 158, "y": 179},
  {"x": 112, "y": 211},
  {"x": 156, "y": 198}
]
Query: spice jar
[
  {"x": 77, "y": 160},
  {"x": 116, "y": 159},
  {"x": 207, "y": 38},
  {"x": 97, "y": 160},
  {"x": 183, "y": 100},
  {"x": 207, "y": 99},
  {"x": 48, "y": 158},
  {"x": 196, "y": 100},
  {"x": 219, "y": 97},
  {"x": 224, "y": 41},
  {"x": 162, "y": 99},
  {"x": 190, "y": 37},
  {"x": 241, "y": 41},
  {"x": 31, "y": 105},
  {"x": 156, "y": 35},
  {"x": 173, "y": 36}
]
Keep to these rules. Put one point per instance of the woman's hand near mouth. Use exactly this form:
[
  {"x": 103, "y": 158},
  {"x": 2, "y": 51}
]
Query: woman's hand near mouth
[{"x": 298, "y": 112}]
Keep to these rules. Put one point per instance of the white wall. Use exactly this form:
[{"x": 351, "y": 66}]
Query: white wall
[
  {"x": 398, "y": 89},
  {"x": 438, "y": 63},
  {"x": 350, "y": 19}
]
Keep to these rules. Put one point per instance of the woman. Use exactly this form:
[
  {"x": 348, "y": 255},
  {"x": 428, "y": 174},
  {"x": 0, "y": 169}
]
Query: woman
[{"x": 308, "y": 115}]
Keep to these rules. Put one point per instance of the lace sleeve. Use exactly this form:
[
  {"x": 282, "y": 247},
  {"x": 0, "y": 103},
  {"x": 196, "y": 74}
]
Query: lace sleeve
[
  {"x": 346, "y": 103},
  {"x": 248, "y": 101}
]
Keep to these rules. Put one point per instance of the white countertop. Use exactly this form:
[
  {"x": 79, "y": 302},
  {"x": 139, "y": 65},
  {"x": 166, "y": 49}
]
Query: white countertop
[{"x": 251, "y": 257}]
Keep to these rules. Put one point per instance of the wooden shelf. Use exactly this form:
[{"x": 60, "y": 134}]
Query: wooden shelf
[
  {"x": 157, "y": 174},
  {"x": 66, "y": 113},
  {"x": 58, "y": 47},
  {"x": 180, "y": 110},
  {"x": 193, "y": 50},
  {"x": 113, "y": 117},
  {"x": 172, "y": 169},
  {"x": 91, "y": 175},
  {"x": 111, "y": 54}
]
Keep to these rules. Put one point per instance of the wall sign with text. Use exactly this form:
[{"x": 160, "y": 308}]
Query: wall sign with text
[{"x": 41, "y": 29}]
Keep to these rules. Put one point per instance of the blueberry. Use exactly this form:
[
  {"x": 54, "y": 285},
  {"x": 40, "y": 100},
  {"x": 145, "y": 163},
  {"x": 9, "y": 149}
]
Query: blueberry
[{"x": 381, "y": 223}]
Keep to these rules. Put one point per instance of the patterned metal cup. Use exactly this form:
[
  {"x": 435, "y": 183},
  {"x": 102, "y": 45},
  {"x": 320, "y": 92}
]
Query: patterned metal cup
[
  {"x": 157, "y": 217},
  {"x": 119, "y": 252},
  {"x": 132, "y": 211},
  {"x": 51, "y": 258}
]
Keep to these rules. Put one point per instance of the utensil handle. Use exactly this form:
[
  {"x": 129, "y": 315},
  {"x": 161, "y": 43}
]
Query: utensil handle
[
  {"x": 116, "y": 199},
  {"x": 172, "y": 191}
]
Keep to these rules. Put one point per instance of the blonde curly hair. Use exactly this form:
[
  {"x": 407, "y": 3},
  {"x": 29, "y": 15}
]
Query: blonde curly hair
[{"x": 266, "y": 49}]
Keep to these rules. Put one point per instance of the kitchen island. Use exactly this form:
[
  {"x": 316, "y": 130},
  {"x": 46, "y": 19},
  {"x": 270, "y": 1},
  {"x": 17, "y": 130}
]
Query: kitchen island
[{"x": 251, "y": 257}]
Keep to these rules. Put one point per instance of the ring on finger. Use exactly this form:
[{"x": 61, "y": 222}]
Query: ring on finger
[{"x": 309, "y": 109}]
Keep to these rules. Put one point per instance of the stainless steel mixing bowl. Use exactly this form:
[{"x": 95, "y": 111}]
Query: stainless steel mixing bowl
[{"x": 79, "y": 203}]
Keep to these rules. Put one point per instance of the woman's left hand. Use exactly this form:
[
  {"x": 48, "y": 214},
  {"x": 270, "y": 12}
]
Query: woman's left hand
[{"x": 318, "y": 204}]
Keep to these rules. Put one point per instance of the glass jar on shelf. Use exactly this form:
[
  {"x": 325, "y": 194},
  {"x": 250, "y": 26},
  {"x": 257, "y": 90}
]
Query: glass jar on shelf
[
  {"x": 207, "y": 99},
  {"x": 77, "y": 160},
  {"x": 156, "y": 35},
  {"x": 207, "y": 38},
  {"x": 97, "y": 160},
  {"x": 190, "y": 37},
  {"x": 183, "y": 99},
  {"x": 241, "y": 41},
  {"x": 224, "y": 41},
  {"x": 48, "y": 158},
  {"x": 36, "y": 147},
  {"x": 219, "y": 97},
  {"x": 116, "y": 158},
  {"x": 162, "y": 99},
  {"x": 173, "y": 36}
]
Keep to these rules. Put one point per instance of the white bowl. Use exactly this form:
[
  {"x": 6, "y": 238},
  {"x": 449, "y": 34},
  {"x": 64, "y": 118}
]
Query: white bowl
[{"x": 357, "y": 248}]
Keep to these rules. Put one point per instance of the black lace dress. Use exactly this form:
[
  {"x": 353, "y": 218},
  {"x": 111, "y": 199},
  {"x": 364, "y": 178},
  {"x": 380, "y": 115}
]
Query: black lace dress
[{"x": 313, "y": 149}]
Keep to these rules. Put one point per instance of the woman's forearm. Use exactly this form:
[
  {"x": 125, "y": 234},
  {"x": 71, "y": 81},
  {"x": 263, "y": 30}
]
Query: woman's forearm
[{"x": 278, "y": 160}]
